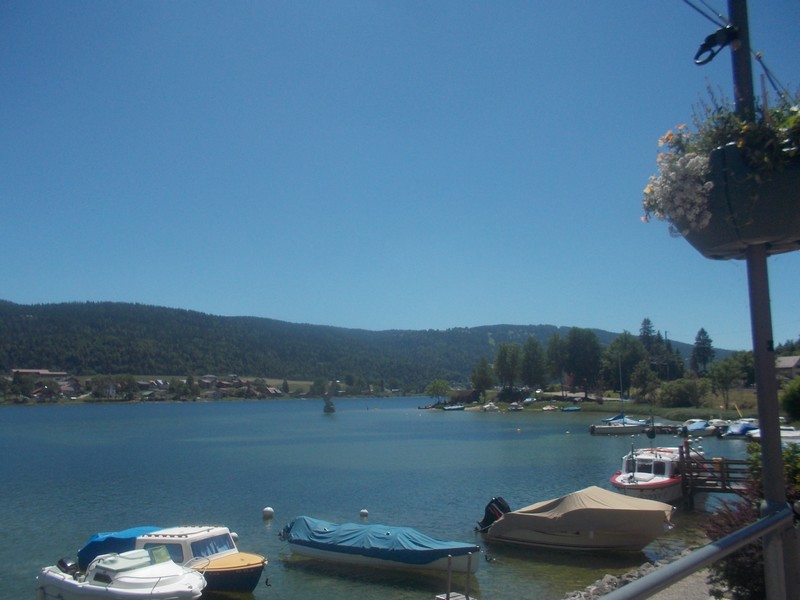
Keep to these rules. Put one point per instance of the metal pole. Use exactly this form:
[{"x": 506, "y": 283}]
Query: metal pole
[{"x": 776, "y": 552}]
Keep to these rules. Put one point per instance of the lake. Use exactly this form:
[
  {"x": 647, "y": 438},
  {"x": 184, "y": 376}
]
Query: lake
[{"x": 69, "y": 471}]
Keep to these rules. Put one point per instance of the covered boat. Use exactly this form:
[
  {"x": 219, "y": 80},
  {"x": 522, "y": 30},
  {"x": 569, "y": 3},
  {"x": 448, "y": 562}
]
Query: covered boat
[
  {"x": 132, "y": 575},
  {"x": 589, "y": 519},
  {"x": 384, "y": 546},
  {"x": 209, "y": 549},
  {"x": 619, "y": 425}
]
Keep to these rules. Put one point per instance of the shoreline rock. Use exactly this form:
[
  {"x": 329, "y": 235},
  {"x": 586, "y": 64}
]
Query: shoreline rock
[{"x": 608, "y": 583}]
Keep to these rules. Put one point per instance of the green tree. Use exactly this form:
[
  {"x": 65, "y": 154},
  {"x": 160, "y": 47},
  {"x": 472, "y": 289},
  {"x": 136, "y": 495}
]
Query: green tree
[
  {"x": 790, "y": 399},
  {"x": 724, "y": 375},
  {"x": 683, "y": 392},
  {"x": 583, "y": 358},
  {"x": 534, "y": 365},
  {"x": 702, "y": 353},
  {"x": 285, "y": 386},
  {"x": 507, "y": 363},
  {"x": 647, "y": 334},
  {"x": 620, "y": 358},
  {"x": 645, "y": 383},
  {"x": 557, "y": 358},
  {"x": 482, "y": 377},
  {"x": 318, "y": 387},
  {"x": 437, "y": 388}
]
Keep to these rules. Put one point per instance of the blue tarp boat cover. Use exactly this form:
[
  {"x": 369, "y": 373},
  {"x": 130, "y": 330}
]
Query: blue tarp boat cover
[
  {"x": 697, "y": 426},
  {"x": 386, "y": 542},
  {"x": 111, "y": 541},
  {"x": 623, "y": 420}
]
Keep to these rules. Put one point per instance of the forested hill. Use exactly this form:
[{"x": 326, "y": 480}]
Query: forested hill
[{"x": 117, "y": 338}]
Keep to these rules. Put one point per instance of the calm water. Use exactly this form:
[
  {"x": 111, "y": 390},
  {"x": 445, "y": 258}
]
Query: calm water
[{"x": 70, "y": 471}]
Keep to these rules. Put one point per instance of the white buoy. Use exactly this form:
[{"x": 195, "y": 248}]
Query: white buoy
[
  {"x": 268, "y": 513},
  {"x": 364, "y": 513}
]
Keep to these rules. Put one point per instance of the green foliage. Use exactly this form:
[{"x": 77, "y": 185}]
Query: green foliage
[
  {"x": 533, "y": 369},
  {"x": 790, "y": 399},
  {"x": 683, "y": 393},
  {"x": 482, "y": 377},
  {"x": 583, "y": 358},
  {"x": 620, "y": 359},
  {"x": 702, "y": 353},
  {"x": 645, "y": 383},
  {"x": 724, "y": 375},
  {"x": 740, "y": 576},
  {"x": 437, "y": 389},
  {"x": 507, "y": 363}
]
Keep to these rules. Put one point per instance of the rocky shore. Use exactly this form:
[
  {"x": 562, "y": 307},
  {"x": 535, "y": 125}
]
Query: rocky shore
[{"x": 694, "y": 587}]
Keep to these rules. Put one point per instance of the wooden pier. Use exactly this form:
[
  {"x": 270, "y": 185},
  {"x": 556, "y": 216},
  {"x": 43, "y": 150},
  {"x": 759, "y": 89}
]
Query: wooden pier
[{"x": 717, "y": 475}]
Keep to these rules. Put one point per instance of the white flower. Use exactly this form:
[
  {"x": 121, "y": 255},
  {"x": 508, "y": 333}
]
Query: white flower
[{"x": 679, "y": 193}]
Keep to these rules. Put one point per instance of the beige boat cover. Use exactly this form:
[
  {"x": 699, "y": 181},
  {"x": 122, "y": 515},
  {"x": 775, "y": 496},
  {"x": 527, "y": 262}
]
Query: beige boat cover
[{"x": 590, "y": 508}]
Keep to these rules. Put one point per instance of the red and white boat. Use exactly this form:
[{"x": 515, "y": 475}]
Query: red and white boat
[{"x": 653, "y": 473}]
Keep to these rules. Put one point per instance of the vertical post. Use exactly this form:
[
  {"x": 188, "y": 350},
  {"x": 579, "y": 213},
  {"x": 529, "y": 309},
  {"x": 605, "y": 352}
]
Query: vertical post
[{"x": 776, "y": 551}]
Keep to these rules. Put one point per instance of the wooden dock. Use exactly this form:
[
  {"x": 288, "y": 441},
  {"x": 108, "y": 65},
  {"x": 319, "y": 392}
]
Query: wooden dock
[{"x": 717, "y": 475}]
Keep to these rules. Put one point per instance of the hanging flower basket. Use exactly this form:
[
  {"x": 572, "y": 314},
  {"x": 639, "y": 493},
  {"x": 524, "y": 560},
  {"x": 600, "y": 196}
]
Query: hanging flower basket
[
  {"x": 748, "y": 209},
  {"x": 731, "y": 183}
]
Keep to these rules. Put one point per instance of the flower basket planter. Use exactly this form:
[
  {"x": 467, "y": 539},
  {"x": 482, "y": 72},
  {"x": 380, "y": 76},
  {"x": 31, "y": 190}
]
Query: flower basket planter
[{"x": 747, "y": 211}]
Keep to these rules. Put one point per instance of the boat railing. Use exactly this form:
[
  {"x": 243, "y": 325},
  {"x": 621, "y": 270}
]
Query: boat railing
[{"x": 665, "y": 576}]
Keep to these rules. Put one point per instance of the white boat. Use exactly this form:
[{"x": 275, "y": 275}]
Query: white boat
[
  {"x": 382, "y": 546},
  {"x": 514, "y": 406},
  {"x": 697, "y": 428},
  {"x": 208, "y": 549},
  {"x": 490, "y": 407},
  {"x": 740, "y": 427},
  {"x": 787, "y": 434},
  {"x": 131, "y": 575},
  {"x": 653, "y": 473},
  {"x": 619, "y": 425},
  {"x": 589, "y": 519}
]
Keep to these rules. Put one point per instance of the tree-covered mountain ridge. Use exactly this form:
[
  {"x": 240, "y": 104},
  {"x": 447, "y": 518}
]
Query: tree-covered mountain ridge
[{"x": 90, "y": 338}]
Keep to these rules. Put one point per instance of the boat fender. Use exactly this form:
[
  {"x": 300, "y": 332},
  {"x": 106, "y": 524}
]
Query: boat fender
[
  {"x": 268, "y": 513},
  {"x": 364, "y": 513},
  {"x": 591, "y": 429},
  {"x": 651, "y": 433}
]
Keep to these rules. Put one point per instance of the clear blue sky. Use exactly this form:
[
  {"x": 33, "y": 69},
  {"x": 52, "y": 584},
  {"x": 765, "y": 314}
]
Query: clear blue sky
[{"x": 373, "y": 164}]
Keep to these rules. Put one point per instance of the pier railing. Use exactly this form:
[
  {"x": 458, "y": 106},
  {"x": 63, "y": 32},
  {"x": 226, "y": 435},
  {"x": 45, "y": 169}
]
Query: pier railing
[{"x": 719, "y": 475}]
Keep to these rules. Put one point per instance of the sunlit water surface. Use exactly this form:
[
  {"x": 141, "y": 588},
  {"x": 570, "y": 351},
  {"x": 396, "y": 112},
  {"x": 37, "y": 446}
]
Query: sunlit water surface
[{"x": 69, "y": 471}]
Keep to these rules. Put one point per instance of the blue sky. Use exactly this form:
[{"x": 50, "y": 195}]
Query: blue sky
[{"x": 374, "y": 164}]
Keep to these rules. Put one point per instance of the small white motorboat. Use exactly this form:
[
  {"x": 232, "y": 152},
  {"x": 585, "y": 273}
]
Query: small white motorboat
[
  {"x": 589, "y": 519},
  {"x": 132, "y": 575},
  {"x": 208, "y": 549},
  {"x": 787, "y": 434},
  {"x": 653, "y": 473}
]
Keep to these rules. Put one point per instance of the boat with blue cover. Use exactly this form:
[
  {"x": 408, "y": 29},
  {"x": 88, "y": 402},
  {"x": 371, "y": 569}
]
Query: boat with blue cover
[{"x": 383, "y": 546}]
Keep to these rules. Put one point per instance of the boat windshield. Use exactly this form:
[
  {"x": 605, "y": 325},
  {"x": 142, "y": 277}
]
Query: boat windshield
[
  {"x": 213, "y": 545},
  {"x": 175, "y": 550}
]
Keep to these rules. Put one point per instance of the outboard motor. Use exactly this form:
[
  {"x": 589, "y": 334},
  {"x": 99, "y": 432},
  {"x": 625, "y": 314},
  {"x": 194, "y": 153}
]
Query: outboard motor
[
  {"x": 496, "y": 508},
  {"x": 68, "y": 566}
]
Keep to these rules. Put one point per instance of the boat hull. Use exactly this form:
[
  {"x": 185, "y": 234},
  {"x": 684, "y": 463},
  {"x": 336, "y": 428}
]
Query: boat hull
[
  {"x": 238, "y": 572},
  {"x": 665, "y": 490},
  {"x": 167, "y": 582},
  {"x": 611, "y": 429},
  {"x": 457, "y": 564},
  {"x": 591, "y": 539},
  {"x": 375, "y": 545}
]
